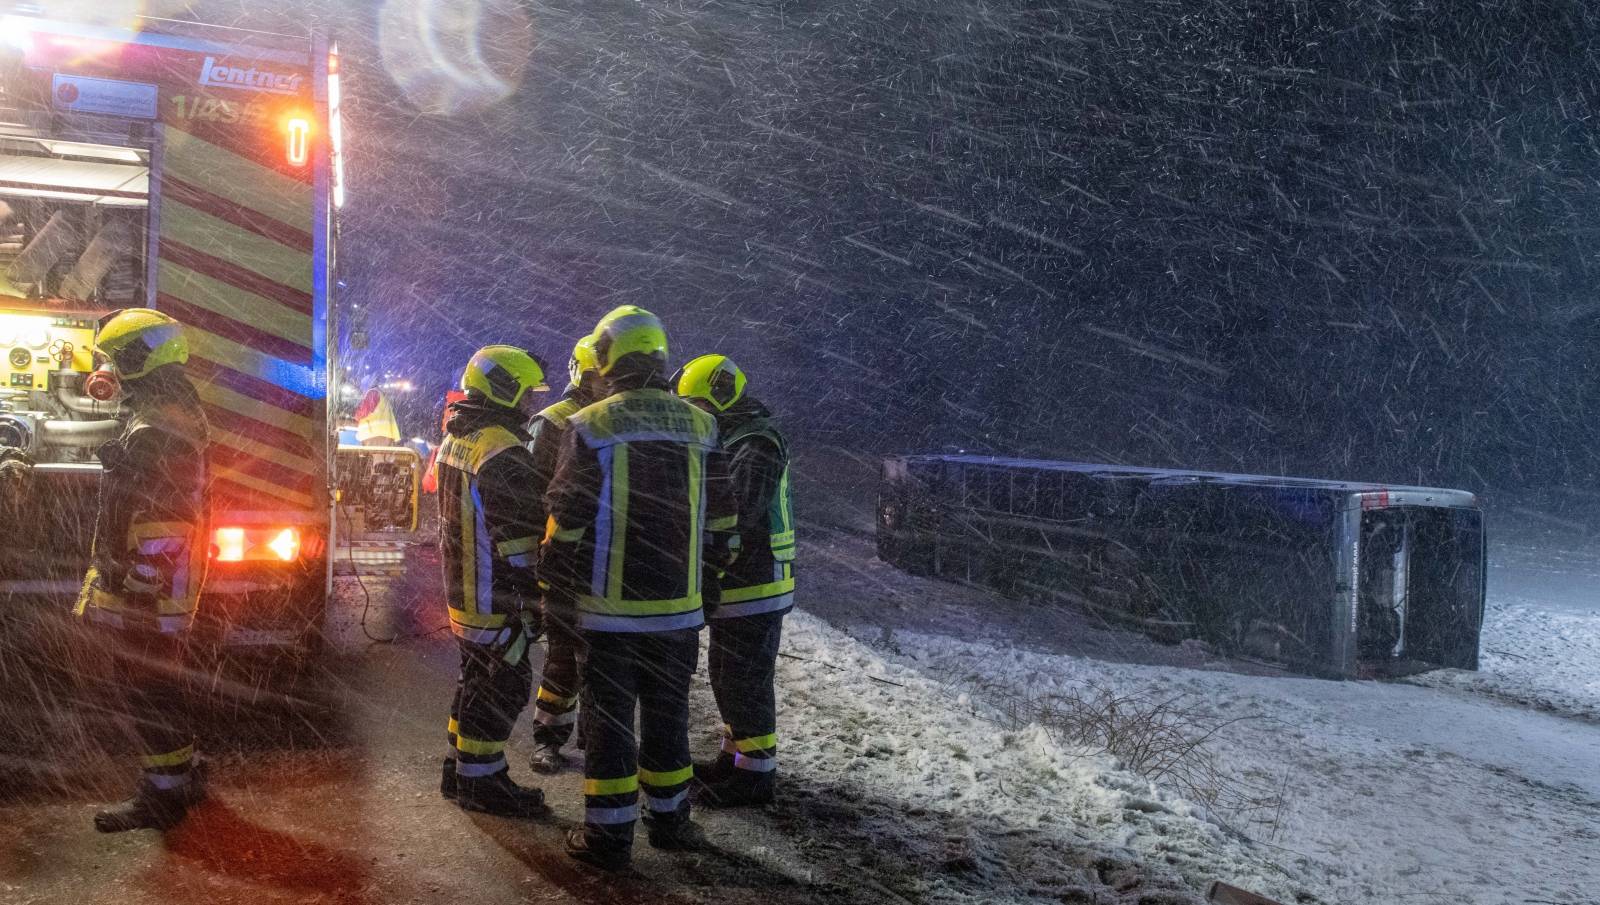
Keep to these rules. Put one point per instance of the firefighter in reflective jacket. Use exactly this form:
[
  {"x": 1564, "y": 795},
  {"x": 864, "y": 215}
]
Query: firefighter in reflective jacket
[
  {"x": 488, "y": 538},
  {"x": 746, "y": 603},
  {"x": 149, "y": 557},
  {"x": 555, "y": 705},
  {"x": 638, "y": 487}
]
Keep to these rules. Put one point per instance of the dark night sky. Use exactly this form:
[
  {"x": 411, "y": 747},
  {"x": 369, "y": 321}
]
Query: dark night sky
[{"x": 1341, "y": 238}]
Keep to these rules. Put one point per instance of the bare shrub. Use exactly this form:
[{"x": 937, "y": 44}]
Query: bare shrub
[{"x": 1166, "y": 739}]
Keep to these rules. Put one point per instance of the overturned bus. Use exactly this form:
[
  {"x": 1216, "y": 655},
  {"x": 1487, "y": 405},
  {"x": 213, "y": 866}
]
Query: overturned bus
[{"x": 1330, "y": 578}]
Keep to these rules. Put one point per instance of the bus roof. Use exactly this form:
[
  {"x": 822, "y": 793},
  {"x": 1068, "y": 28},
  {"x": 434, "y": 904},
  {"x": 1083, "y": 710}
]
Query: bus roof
[{"x": 1172, "y": 475}]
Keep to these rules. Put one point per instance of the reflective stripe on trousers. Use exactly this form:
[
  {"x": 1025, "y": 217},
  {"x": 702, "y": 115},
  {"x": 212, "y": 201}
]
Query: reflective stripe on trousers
[
  {"x": 547, "y": 718},
  {"x": 475, "y": 769},
  {"x": 756, "y": 764},
  {"x": 166, "y": 781},
  {"x": 753, "y": 607},
  {"x": 668, "y": 805},
  {"x": 758, "y": 754},
  {"x": 611, "y": 802},
  {"x": 611, "y": 816},
  {"x": 666, "y": 791},
  {"x": 170, "y": 769}
]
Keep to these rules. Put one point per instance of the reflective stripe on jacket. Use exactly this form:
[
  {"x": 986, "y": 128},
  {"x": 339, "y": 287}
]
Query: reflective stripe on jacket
[{"x": 639, "y": 481}]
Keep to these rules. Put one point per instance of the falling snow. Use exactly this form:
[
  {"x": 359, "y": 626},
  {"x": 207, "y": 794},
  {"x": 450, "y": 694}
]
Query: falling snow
[{"x": 1350, "y": 239}]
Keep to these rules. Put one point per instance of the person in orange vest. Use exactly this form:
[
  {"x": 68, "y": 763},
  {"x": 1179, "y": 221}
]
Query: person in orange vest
[
  {"x": 375, "y": 421},
  {"x": 430, "y": 477}
]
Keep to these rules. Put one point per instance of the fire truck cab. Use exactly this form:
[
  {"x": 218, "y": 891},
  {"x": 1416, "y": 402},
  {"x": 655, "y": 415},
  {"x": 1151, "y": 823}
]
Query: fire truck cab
[{"x": 194, "y": 170}]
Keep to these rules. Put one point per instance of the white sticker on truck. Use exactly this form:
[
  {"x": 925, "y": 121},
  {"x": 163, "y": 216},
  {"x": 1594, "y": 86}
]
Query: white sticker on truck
[{"x": 104, "y": 96}]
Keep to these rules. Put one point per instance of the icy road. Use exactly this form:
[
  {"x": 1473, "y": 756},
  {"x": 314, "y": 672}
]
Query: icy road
[{"x": 909, "y": 776}]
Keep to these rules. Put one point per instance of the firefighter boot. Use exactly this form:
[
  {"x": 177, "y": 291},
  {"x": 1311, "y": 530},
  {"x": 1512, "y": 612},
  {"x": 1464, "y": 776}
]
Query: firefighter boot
[
  {"x": 713, "y": 772},
  {"x": 447, "y": 779},
  {"x": 605, "y": 857},
  {"x": 547, "y": 758},
  {"x": 151, "y": 808},
  {"x": 740, "y": 788},
  {"x": 497, "y": 794},
  {"x": 674, "y": 833}
]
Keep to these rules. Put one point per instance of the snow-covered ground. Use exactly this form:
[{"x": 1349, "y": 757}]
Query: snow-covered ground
[
  {"x": 1451, "y": 787},
  {"x": 1014, "y": 815},
  {"x": 1541, "y": 639}
]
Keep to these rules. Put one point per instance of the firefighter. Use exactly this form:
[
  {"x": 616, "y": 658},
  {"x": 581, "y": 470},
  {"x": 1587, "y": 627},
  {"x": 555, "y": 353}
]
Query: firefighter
[
  {"x": 489, "y": 530},
  {"x": 149, "y": 558},
  {"x": 745, "y": 604},
  {"x": 556, "y": 702},
  {"x": 638, "y": 486}
]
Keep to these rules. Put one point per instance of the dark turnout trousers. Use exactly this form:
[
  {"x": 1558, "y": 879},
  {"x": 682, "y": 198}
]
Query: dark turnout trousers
[
  {"x": 624, "y": 672},
  {"x": 743, "y": 657},
  {"x": 556, "y": 702},
  {"x": 148, "y": 687},
  {"x": 490, "y": 693}
]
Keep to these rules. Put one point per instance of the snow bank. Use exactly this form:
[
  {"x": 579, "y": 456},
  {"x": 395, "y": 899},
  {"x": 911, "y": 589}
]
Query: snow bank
[
  {"x": 878, "y": 726},
  {"x": 1391, "y": 792}
]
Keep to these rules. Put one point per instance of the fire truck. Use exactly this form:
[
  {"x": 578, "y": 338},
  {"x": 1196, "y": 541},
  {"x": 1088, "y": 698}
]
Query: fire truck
[{"x": 194, "y": 170}]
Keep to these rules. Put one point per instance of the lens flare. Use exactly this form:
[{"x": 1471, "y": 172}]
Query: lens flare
[
  {"x": 103, "y": 13},
  {"x": 455, "y": 57}
]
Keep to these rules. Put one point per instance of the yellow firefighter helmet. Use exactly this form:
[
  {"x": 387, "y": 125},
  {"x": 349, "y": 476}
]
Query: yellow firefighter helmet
[
  {"x": 629, "y": 330},
  {"x": 583, "y": 360},
  {"x": 503, "y": 375},
  {"x": 714, "y": 379},
  {"x": 138, "y": 340}
]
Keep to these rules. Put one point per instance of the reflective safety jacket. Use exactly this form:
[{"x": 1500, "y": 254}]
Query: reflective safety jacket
[
  {"x": 489, "y": 522},
  {"x": 151, "y": 541},
  {"x": 375, "y": 420},
  {"x": 639, "y": 494},
  {"x": 550, "y": 428},
  {"x": 761, "y": 579}
]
